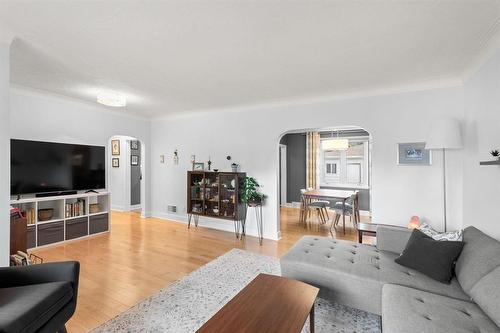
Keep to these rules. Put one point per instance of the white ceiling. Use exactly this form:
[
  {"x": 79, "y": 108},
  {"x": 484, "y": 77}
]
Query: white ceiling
[{"x": 178, "y": 56}]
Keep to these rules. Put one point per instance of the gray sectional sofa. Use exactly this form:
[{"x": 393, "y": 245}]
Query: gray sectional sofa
[{"x": 366, "y": 277}]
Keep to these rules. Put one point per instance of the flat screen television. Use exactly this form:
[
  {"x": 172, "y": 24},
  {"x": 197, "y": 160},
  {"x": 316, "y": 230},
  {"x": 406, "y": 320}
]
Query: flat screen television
[{"x": 45, "y": 167}]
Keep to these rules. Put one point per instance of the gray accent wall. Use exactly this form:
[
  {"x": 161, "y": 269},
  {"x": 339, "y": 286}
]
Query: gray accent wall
[
  {"x": 135, "y": 176},
  {"x": 295, "y": 164}
]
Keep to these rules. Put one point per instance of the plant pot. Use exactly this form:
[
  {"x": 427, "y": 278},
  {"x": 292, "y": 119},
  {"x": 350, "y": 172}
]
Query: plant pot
[{"x": 254, "y": 203}]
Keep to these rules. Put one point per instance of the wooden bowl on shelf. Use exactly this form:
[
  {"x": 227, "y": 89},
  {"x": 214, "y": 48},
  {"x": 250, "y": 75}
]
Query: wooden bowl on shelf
[
  {"x": 45, "y": 214},
  {"x": 94, "y": 208}
]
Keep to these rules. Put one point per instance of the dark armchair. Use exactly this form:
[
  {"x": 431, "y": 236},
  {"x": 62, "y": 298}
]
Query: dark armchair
[{"x": 38, "y": 298}]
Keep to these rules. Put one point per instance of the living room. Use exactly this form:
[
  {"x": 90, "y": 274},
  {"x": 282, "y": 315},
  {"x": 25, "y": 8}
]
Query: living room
[{"x": 209, "y": 89}]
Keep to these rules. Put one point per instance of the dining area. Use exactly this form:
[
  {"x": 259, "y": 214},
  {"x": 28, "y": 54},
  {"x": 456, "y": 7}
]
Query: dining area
[{"x": 317, "y": 204}]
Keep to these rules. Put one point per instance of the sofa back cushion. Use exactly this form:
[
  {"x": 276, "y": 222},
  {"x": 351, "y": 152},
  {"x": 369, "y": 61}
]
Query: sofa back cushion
[
  {"x": 480, "y": 256},
  {"x": 486, "y": 293}
]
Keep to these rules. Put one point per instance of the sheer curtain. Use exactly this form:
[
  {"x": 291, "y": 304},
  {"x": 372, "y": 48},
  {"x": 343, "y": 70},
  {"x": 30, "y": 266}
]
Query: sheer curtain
[{"x": 312, "y": 155}]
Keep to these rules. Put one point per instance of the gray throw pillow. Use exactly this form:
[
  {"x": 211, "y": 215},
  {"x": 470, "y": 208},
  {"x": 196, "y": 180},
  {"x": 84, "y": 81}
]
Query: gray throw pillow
[{"x": 430, "y": 257}]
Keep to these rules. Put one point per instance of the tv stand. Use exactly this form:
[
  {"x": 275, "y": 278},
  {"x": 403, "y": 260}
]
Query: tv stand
[
  {"x": 69, "y": 217},
  {"x": 55, "y": 194},
  {"x": 91, "y": 191}
]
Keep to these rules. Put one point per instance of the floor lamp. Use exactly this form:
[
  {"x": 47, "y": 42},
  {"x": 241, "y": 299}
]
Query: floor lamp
[{"x": 444, "y": 134}]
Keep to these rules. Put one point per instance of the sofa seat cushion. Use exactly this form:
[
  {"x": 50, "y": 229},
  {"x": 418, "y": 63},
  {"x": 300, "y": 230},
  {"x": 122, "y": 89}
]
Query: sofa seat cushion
[
  {"x": 353, "y": 274},
  {"x": 27, "y": 308},
  {"x": 408, "y": 310}
]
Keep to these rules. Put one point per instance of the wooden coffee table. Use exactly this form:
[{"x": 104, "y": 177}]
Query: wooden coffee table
[{"x": 267, "y": 304}]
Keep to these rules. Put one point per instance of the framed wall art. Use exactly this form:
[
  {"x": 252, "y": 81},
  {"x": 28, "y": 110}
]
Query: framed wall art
[
  {"x": 413, "y": 153},
  {"x": 115, "y": 147}
]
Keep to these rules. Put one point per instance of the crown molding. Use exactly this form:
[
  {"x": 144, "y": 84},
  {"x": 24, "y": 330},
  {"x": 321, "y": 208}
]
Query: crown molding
[
  {"x": 490, "y": 45},
  {"x": 431, "y": 84},
  {"x": 48, "y": 94}
]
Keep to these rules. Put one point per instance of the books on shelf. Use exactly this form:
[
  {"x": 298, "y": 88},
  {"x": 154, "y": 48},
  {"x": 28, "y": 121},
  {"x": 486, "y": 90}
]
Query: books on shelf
[
  {"x": 75, "y": 209},
  {"x": 30, "y": 216}
]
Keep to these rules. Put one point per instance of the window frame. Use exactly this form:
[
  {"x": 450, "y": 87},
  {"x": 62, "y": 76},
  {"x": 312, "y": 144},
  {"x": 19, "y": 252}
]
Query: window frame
[{"x": 328, "y": 181}]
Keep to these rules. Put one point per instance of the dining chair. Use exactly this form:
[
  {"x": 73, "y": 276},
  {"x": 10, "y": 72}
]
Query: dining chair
[
  {"x": 351, "y": 209},
  {"x": 306, "y": 207},
  {"x": 324, "y": 203}
]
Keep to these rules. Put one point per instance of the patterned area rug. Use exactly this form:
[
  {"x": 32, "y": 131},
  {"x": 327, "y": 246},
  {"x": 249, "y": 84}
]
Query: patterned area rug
[{"x": 188, "y": 303}]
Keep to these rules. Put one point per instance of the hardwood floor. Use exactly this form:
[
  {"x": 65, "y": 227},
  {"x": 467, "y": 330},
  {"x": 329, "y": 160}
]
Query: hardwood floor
[{"x": 141, "y": 256}]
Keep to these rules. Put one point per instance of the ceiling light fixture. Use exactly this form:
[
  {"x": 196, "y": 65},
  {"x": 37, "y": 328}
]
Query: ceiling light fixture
[
  {"x": 110, "y": 98},
  {"x": 335, "y": 144}
]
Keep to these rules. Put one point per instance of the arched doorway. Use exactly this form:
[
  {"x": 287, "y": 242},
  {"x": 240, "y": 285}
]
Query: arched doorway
[
  {"x": 126, "y": 178},
  {"x": 309, "y": 161}
]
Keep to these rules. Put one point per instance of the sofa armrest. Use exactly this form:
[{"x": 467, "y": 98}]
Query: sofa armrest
[
  {"x": 392, "y": 238},
  {"x": 51, "y": 272}
]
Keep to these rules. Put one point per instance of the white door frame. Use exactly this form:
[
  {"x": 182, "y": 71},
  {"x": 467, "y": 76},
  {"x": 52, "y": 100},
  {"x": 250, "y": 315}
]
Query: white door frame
[{"x": 283, "y": 173}]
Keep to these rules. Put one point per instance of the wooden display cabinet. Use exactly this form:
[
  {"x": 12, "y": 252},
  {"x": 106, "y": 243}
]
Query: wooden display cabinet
[{"x": 217, "y": 195}]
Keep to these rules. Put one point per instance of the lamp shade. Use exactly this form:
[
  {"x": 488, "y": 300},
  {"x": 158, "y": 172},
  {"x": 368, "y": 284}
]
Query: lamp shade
[
  {"x": 444, "y": 134},
  {"x": 335, "y": 144}
]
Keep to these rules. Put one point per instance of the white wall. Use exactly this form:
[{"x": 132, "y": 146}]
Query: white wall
[
  {"x": 45, "y": 117},
  {"x": 482, "y": 133},
  {"x": 251, "y": 136},
  {"x": 4, "y": 155}
]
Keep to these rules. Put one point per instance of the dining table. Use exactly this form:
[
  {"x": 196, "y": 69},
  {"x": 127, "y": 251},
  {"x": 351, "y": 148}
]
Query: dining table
[{"x": 328, "y": 194}]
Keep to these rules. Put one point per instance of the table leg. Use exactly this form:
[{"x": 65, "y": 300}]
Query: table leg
[
  {"x": 360, "y": 236},
  {"x": 343, "y": 216},
  {"x": 311, "y": 319}
]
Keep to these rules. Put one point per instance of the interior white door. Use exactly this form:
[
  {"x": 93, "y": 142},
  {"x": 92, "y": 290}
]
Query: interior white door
[{"x": 283, "y": 175}]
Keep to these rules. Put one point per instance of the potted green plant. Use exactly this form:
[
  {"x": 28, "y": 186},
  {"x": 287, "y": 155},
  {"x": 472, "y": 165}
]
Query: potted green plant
[
  {"x": 495, "y": 153},
  {"x": 251, "y": 194}
]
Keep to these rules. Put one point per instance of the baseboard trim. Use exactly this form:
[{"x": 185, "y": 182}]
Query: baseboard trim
[{"x": 212, "y": 223}]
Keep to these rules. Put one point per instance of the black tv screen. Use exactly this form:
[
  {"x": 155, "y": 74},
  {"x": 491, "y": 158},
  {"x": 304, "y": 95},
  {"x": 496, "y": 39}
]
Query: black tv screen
[{"x": 40, "y": 167}]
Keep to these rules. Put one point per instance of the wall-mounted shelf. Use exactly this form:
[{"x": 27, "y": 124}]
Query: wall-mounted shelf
[{"x": 490, "y": 162}]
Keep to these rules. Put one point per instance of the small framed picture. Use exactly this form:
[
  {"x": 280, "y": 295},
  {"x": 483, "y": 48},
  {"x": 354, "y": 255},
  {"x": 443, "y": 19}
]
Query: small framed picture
[
  {"x": 413, "y": 153},
  {"x": 134, "y": 145},
  {"x": 115, "y": 162},
  {"x": 198, "y": 166},
  {"x": 115, "y": 147},
  {"x": 134, "y": 160}
]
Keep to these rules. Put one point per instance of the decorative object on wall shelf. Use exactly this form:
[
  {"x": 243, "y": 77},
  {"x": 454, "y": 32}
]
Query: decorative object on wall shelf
[
  {"x": 198, "y": 166},
  {"x": 234, "y": 167},
  {"x": 209, "y": 163},
  {"x": 495, "y": 153},
  {"x": 216, "y": 170},
  {"x": 115, "y": 162},
  {"x": 115, "y": 147},
  {"x": 134, "y": 160},
  {"x": 134, "y": 144},
  {"x": 176, "y": 157},
  {"x": 413, "y": 153}
]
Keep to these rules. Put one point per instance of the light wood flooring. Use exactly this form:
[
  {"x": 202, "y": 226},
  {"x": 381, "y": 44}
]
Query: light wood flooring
[{"x": 141, "y": 256}]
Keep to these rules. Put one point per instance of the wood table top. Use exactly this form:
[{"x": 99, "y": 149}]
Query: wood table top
[
  {"x": 267, "y": 304},
  {"x": 324, "y": 193},
  {"x": 368, "y": 227}
]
